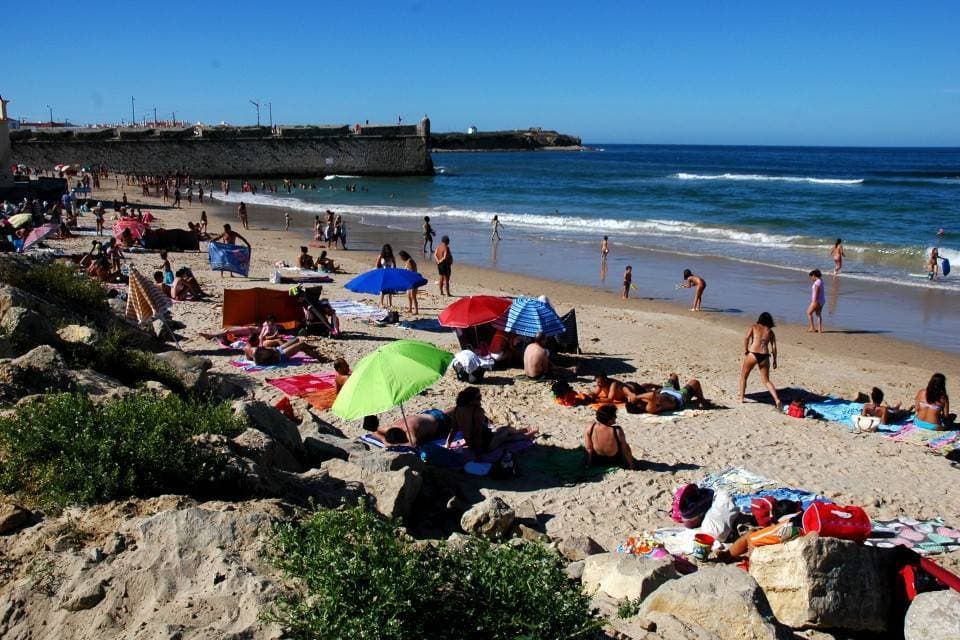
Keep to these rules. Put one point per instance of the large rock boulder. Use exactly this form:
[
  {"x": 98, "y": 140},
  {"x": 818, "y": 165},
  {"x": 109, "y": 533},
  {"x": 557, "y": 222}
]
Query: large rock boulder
[
  {"x": 190, "y": 370},
  {"x": 933, "y": 616},
  {"x": 95, "y": 383},
  {"x": 827, "y": 583},
  {"x": 378, "y": 460},
  {"x": 725, "y": 601},
  {"x": 575, "y": 548},
  {"x": 40, "y": 370},
  {"x": 260, "y": 415},
  {"x": 493, "y": 519},
  {"x": 393, "y": 492},
  {"x": 26, "y": 329},
  {"x": 625, "y": 576},
  {"x": 79, "y": 334},
  {"x": 262, "y": 449}
]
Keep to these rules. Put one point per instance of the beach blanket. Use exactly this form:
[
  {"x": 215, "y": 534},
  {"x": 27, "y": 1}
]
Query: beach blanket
[
  {"x": 743, "y": 486},
  {"x": 566, "y": 465},
  {"x": 926, "y": 537},
  {"x": 229, "y": 257},
  {"x": 457, "y": 455},
  {"x": 294, "y": 275},
  {"x": 305, "y": 383},
  {"x": 837, "y": 410},
  {"x": 354, "y": 309},
  {"x": 296, "y": 360},
  {"x": 940, "y": 442}
]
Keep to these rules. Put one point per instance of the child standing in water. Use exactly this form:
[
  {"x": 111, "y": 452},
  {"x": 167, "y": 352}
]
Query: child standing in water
[
  {"x": 604, "y": 248},
  {"x": 428, "y": 234},
  {"x": 627, "y": 281},
  {"x": 691, "y": 280},
  {"x": 817, "y": 298},
  {"x": 837, "y": 254},
  {"x": 933, "y": 264}
]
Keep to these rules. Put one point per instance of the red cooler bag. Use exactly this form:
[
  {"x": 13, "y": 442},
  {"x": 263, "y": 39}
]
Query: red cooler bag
[{"x": 836, "y": 521}]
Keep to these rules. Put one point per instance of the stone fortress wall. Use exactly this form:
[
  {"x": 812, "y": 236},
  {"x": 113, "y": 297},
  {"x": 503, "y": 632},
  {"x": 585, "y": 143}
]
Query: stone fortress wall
[{"x": 232, "y": 152}]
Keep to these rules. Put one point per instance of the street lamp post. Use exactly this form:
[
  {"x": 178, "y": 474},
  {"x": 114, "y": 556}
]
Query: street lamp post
[
  {"x": 257, "y": 106},
  {"x": 270, "y": 106},
  {"x": 51, "y": 114},
  {"x": 133, "y": 112},
  {"x": 154, "y": 116}
]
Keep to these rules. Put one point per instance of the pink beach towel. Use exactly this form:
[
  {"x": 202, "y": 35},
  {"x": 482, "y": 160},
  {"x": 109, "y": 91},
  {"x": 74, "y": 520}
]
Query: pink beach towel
[{"x": 305, "y": 384}]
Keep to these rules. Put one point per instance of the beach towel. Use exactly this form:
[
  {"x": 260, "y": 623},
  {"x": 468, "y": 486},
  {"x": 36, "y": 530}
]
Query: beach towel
[
  {"x": 457, "y": 455},
  {"x": 243, "y": 307},
  {"x": 940, "y": 442},
  {"x": 837, "y": 410},
  {"x": 926, "y": 537},
  {"x": 318, "y": 389},
  {"x": 744, "y": 486},
  {"x": 229, "y": 257},
  {"x": 294, "y": 275},
  {"x": 354, "y": 309},
  {"x": 249, "y": 366},
  {"x": 566, "y": 465}
]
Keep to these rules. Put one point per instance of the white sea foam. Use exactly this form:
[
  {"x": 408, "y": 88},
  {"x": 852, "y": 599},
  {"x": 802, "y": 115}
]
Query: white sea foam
[
  {"x": 763, "y": 178},
  {"x": 337, "y": 177}
]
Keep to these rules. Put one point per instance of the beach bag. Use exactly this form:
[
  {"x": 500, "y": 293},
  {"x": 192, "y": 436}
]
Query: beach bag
[
  {"x": 837, "y": 521},
  {"x": 678, "y": 496},
  {"x": 762, "y": 510},
  {"x": 474, "y": 377},
  {"x": 720, "y": 517},
  {"x": 797, "y": 409},
  {"x": 866, "y": 424}
]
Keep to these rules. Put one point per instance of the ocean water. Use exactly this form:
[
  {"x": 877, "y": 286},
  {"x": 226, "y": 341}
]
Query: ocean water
[
  {"x": 751, "y": 220},
  {"x": 776, "y": 206}
]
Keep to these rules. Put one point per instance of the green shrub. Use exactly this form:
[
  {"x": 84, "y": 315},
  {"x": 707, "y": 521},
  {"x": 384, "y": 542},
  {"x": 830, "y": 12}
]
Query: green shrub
[
  {"x": 58, "y": 283},
  {"x": 116, "y": 356},
  {"x": 66, "y": 450},
  {"x": 352, "y": 575}
]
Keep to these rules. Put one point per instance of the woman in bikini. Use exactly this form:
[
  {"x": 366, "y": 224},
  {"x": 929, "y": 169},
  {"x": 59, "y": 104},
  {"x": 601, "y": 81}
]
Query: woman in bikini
[
  {"x": 605, "y": 441},
  {"x": 470, "y": 420},
  {"x": 838, "y": 255},
  {"x": 933, "y": 405},
  {"x": 760, "y": 348},
  {"x": 265, "y": 356}
]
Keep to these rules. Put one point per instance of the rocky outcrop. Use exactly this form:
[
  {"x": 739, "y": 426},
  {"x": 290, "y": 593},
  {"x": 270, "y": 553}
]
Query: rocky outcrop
[
  {"x": 13, "y": 517},
  {"x": 826, "y": 583},
  {"x": 725, "y": 602},
  {"x": 187, "y": 573},
  {"x": 933, "y": 616},
  {"x": 493, "y": 519},
  {"x": 393, "y": 492},
  {"x": 40, "y": 370},
  {"x": 517, "y": 140},
  {"x": 575, "y": 548},
  {"x": 625, "y": 576}
]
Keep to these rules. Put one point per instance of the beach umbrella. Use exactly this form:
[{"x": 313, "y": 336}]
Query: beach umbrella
[
  {"x": 386, "y": 281},
  {"x": 528, "y": 317},
  {"x": 19, "y": 220},
  {"x": 473, "y": 310},
  {"x": 137, "y": 228},
  {"x": 146, "y": 302},
  {"x": 38, "y": 234},
  {"x": 390, "y": 376}
]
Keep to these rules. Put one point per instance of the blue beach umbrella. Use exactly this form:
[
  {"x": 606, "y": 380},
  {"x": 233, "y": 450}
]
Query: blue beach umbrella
[
  {"x": 528, "y": 317},
  {"x": 387, "y": 281}
]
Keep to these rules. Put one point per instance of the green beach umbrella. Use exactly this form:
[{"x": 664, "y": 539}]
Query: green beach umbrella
[{"x": 390, "y": 376}]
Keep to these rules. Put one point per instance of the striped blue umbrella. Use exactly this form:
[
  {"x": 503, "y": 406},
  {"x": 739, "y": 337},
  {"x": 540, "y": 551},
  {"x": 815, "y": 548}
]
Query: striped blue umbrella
[{"x": 528, "y": 317}]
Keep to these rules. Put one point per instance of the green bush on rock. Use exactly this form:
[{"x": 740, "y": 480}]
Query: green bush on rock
[
  {"x": 353, "y": 575},
  {"x": 67, "y": 450}
]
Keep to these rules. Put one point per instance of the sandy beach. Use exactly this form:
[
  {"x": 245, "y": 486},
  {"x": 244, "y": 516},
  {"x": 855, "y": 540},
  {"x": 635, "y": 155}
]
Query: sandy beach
[{"x": 632, "y": 340}]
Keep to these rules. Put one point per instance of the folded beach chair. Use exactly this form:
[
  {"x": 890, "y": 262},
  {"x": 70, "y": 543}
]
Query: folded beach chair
[
  {"x": 569, "y": 340},
  {"x": 252, "y": 306}
]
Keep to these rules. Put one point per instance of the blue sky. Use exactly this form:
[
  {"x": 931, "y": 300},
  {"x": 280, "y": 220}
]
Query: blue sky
[{"x": 815, "y": 73}]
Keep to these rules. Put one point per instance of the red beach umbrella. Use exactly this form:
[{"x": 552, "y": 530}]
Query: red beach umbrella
[{"x": 473, "y": 310}]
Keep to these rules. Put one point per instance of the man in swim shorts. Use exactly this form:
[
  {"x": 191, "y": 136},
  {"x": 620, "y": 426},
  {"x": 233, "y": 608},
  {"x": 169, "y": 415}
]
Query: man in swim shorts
[{"x": 670, "y": 397}]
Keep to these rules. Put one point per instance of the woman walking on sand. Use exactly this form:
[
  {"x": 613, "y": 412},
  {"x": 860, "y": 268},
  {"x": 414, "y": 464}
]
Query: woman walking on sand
[
  {"x": 760, "y": 348},
  {"x": 818, "y": 297},
  {"x": 838, "y": 255}
]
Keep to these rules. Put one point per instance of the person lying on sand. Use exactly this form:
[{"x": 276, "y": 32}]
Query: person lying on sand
[
  {"x": 231, "y": 333},
  {"x": 417, "y": 429},
  {"x": 787, "y": 526},
  {"x": 605, "y": 442},
  {"x": 470, "y": 419},
  {"x": 536, "y": 361},
  {"x": 670, "y": 397},
  {"x": 877, "y": 408},
  {"x": 265, "y": 356},
  {"x": 610, "y": 390}
]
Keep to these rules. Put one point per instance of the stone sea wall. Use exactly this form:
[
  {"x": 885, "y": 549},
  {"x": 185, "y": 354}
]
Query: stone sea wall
[
  {"x": 518, "y": 140},
  {"x": 233, "y": 153}
]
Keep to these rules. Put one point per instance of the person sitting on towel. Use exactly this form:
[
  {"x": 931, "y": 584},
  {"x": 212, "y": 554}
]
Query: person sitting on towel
[
  {"x": 327, "y": 265},
  {"x": 185, "y": 286},
  {"x": 470, "y": 420},
  {"x": 877, "y": 408},
  {"x": 318, "y": 313},
  {"x": 417, "y": 429},
  {"x": 305, "y": 260},
  {"x": 670, "y": 397},
  {"x": 270, "y": 333},
  {"x": 343, "y": 372},
  {"x": 266, "y": 356},
  {"x": 605, "y": 441},
  {"x": 536, "y": 361}
]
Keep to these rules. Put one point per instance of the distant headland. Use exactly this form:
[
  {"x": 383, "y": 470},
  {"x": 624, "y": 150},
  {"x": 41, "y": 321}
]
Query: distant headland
[{"x": 533, "y": 139}]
